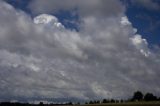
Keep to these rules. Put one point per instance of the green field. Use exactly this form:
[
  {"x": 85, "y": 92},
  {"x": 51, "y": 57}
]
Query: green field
[{"x": 127, "y": 104}]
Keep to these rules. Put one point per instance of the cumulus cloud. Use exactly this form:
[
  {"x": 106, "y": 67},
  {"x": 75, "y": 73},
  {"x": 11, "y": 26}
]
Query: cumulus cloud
[
  {"x": 141, "y": 44},
  {"x": 104, "y": 59}
]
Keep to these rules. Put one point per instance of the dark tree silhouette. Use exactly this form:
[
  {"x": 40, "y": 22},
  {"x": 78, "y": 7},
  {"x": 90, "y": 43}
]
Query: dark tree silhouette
[
  {"x": 117, "y": 101},
  {"x": 86, "y": 102},
  {"x": 150, "y": 97},
  {"x": 121, "y": 101},
  {"x": 105, "y": 101},
  {"x": 97, "y": 102},
  {"x": 41, "y": 104},
  {"x": 137, "y": 96},
  {"x": 94, "y": 102},
  {"x": 70, "y": 103},
  {"x": 112, "y": 101},
  {"x": 90, "y": 102}
]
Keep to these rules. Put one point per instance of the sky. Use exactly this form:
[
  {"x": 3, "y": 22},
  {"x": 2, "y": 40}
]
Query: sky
[{"x": 78, "y": 50}]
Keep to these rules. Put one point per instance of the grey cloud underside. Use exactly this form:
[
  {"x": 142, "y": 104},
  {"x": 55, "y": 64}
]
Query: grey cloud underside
[
  {"x": 103, "y": 60},
  {"x": 83, "y": 7}
]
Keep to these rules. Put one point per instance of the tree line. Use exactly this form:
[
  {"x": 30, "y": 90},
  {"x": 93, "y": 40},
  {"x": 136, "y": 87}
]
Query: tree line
[{"x": 138, "y": 96}]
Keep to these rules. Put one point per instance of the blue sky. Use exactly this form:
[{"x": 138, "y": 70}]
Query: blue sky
[
  {"x": 146, "y": 21},
  {"x": 78, "y": 49}
]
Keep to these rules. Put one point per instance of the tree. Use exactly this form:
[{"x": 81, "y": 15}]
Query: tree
[
  {"x": 112, "y": 101},
  {"x": 90, "y": 102},
  {"x": 117, "y": 101},
  {"x": 41, "y": 103},
  {"x": 121, "y": 101},
  {"x": 86, "y": 102},
  {"x": 137, "y": 96},
  {"x": 150, "y": 97},
  {"x": 98, "y": 101},
  {"x": 70, "y": 103},
  {"x": 105, "y": 101},
  {"x": 78, "y": 103},
  {"x": 94, "y": 102}
]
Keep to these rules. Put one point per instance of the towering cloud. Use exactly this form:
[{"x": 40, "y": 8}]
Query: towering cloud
[{"x": 41, "y": 59}]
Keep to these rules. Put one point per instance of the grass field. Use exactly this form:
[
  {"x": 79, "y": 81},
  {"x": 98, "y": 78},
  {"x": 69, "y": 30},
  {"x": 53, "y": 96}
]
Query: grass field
[{"x": 127, "y": 104}]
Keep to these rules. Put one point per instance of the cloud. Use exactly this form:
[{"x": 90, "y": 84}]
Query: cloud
[
  {"x": 102, "y": 60},
  {"x": 148, "y": 4},
  {"x": 141, "y": 44},
  {"x": 83, "y": 7},
  {"x": 48, "y": 20}
]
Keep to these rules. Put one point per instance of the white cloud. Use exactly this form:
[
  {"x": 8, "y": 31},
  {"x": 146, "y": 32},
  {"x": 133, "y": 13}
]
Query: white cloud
[
  {"x": 48, "y": 20},
  {"x": 103, "y": 59},
  {"x": 125, "y": 21},
  {"x": 141, "y": 44}
]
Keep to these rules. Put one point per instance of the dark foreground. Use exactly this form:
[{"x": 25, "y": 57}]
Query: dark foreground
[
  {"x": 128, "y": 104},
  {"x": 106, "y": 104}
]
